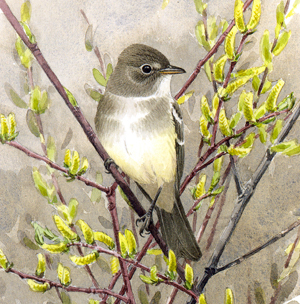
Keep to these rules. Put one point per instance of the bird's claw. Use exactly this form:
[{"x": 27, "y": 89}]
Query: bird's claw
[
  {"x": 107, "y": 164},
  {"x": 146, "y": 221}
]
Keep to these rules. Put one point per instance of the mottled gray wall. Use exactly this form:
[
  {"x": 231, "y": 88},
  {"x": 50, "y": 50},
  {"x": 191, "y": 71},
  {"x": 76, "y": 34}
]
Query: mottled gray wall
[{"x": 59, "y": 28}]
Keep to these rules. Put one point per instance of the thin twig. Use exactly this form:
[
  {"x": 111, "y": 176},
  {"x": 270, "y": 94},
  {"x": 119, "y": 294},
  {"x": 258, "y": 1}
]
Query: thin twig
[
  {"x": 69, "y": 288},
  {"x": 114, "y": 216},
  {"x": 259, "y": 248},
  {"x": 212, "y": 208},
  {"x": 55, "y": 166},
  {"x": 209, "y": 54},
  {"x": 221, "y": 205}
]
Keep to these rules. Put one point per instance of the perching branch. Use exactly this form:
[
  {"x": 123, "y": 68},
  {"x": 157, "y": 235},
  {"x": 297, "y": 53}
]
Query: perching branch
[{"x": 76, "y": 111}]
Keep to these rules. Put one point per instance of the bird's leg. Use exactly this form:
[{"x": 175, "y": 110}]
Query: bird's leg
[{"x": 147, "y": 218}]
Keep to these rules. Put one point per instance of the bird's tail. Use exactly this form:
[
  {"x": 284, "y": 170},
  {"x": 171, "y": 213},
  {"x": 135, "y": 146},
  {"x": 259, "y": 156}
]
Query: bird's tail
[{"x": 177, "y": 232}]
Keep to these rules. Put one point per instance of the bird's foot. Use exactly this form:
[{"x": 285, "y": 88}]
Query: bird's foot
[
  {"x": 107, "y": 164},
  {"x": 146, "y": 221}
]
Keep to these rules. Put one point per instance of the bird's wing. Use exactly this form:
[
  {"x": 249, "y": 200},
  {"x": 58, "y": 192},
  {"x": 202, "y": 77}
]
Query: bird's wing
[{"x": 179, "y": 129}]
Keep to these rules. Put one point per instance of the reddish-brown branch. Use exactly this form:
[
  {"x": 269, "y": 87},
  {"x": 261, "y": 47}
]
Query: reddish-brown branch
[
  {"x": 196, "y": 202},
  {"x": 211, "y": 208},
  {"x": 55, "y": 166},
  {"x": 209, "y": 54},
  {"x": 69, "y": 288}
]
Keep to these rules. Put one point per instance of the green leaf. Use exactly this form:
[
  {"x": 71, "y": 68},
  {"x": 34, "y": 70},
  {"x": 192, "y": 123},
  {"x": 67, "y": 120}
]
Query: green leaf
[
  {"x": 73, "y": 206},
  {"x": 200, "y": 6},
  {"x": 218, "y": 164},
  {"x": 273, "y": 96},
  {"x": 165, "y": 3},
  {"x": 156, "y": 298},
  {"x": 212, "y": 29},
  {"x": 262, "y": 133},
  {"x": 71, "y": 98},
  {"x": 29, "y": 244},
  {"x": 260, "y": 112},
  {"x": 200, "y": 35},
  {"x": 228, "y": 296},
  {"x": 28, "y": 32},
  {"x": 282, "y": 42},
  {"x": 185, "y": 97},
  {"x": 39, "y": 182},
  {"x": 109, "y": 70},
  {"x": 218, "y": 191},
  {"x": 260, "y": 297},
  {"x": 207, "y": 69},
  {"x": 15, "y": 98},
  {"x": 51, "y": 148},
  {"x": 255, "y": 83},
  {"x": 189, "y": 276},
  {"x": 279, "y": 18},
  {"x": 154, "y": 251},
  {"x": 235, "y": 118},
  {"x": 255, "y": 15},
  {"x": 26, "y": 11},
  {"x": 287, "y": 103},
  {"x": 35, "y": 98},
  {"x": 230, "y": 43},
  {"x": 265, "y": 48},
  {"x": 284, "y": 146},
  {"x": 88, "y": 39},
  {"x": 276, "y": 131},
  {"x": 214, "y": 181},
  {"x": 43, "y": 103},
  {"x": 239, "y": 16},
  {"x": 99, "y": 77},
  {"x": 86, "y": 230},
  {"x": 202, "y": 299},
  {"x": 218, "y": 68},
  {"x": 65, "y": 298},
  {"x": 141, "y": 291}
]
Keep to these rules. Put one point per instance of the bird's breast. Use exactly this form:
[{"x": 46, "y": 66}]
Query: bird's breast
[{"x": 139, "y": 135}]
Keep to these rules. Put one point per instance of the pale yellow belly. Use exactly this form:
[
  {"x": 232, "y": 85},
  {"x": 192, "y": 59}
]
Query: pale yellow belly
[{"x": 146, "y": 161}]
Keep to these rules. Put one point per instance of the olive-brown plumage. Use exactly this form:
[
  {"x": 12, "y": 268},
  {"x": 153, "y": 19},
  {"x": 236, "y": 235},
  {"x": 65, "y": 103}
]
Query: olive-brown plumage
[{"x": 141, "y": 128}]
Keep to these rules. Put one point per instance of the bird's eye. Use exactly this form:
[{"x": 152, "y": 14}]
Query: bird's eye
[{"x": 146, "y": 69}]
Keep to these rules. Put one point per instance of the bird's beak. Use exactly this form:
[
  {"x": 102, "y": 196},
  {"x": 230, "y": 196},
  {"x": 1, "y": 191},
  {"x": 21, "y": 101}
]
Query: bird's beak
[{"x": 172, "y": 70}]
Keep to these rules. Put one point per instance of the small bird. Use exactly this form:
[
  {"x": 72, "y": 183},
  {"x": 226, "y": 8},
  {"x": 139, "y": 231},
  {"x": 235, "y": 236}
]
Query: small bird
[{"x": 140, "y": 126}]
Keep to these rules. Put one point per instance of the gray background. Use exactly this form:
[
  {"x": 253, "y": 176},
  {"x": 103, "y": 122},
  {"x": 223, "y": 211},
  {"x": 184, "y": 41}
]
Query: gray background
[{"x": 60, "y": 28}]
